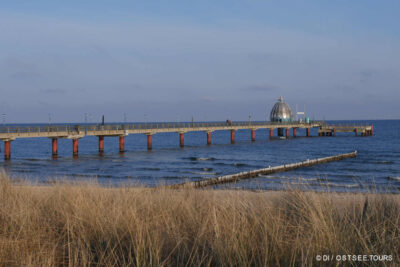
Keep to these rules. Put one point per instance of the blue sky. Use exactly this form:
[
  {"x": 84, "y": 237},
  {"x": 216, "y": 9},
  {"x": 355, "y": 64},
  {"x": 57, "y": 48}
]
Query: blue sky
[{"x": 213, "y": 60}]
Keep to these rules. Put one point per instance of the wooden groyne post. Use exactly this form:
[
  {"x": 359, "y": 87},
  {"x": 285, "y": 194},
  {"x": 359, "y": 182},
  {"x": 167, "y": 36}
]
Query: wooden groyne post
[{"x": 265, "y": 171}]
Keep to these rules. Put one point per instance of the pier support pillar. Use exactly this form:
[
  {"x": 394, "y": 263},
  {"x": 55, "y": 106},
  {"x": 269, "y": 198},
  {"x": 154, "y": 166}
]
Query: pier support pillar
[
  {"x": 101, "y": 143},
  {"x": 294, "y": 132},
  {"x": 308, "y": 132},
  {"x": 356, "y": 131},
  {"x": 121, "y": 144},
  {"x": 232, "y": 136},
  {"x": 7, "y": 150},
  {"x": 208, "y": 138},
  {"x": 54, "y": 147},
  {"x": 253, "y": 135},
  {"x": 75, "y": 147},
  {"x": 149, "y": 142},
  {"x": 334, "y": 131},
  {"x": 287, "y": 133},
  {"x": 271, "y": 133},
  {"x": 181, "y": 139},
  {"x": 372, "y": 129}
]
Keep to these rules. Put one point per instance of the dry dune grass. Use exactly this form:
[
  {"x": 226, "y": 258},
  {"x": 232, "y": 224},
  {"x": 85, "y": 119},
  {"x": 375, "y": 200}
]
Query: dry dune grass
[{"x": 87, "y": 224}]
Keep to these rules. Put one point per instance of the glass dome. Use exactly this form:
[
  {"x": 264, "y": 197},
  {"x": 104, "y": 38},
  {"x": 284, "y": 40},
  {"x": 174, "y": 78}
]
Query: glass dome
[{"x": 281, "y": 112}]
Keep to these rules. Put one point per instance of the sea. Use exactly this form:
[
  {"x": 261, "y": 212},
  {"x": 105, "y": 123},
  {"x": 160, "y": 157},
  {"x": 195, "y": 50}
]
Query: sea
[{"x": 375, "y": 169}]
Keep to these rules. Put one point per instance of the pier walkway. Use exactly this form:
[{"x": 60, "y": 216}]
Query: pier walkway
[{"x": 75, "y": 132}]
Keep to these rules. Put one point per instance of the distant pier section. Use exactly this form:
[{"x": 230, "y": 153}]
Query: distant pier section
[{"x": 76, "y": 132}]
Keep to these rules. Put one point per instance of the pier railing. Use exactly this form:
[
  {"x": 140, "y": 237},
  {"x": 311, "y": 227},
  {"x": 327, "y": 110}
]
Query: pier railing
[{"x": 143, "y": 126}]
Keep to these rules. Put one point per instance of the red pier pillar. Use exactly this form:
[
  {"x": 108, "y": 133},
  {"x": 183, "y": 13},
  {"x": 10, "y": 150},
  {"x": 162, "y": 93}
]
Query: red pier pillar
[
  {"x": 372, "y": 129},
  {"x": 208, "y": 138},
  {"x": 271, "y": 133},
  {"x": 75, "y": 147},
  {"x": 121, "y": 144},
  {"x": 287, "y": 133},
  {"x": 232, "y": 136},
  {"x": 149, "y": 142},
  {"x": 334, "y": 131},
  {"x": 181, "y": 139},
  {"x": 253, "y": 135},
  {"x": 101, "y": 143},
  {"x": 356, "y": 131},
  {"x": 54, "y": 148},
  {"x": 7, "y": 150},
  {"x": 294, "y": 132},
  {"x": 308, "y": 132}
]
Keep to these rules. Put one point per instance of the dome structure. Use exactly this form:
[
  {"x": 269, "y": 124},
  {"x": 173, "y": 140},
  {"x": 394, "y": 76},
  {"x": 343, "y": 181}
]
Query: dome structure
[{"x": 281, "y": 112}]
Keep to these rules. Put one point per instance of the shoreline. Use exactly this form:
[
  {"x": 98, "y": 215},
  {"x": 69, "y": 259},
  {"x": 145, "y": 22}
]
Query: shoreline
[{"x": 324, "y": 189}]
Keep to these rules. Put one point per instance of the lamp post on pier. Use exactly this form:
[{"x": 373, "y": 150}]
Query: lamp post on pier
[{"x": 4, "y": 118}]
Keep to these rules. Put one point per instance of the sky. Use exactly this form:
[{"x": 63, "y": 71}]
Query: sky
[{"x": 71, "y": 61}]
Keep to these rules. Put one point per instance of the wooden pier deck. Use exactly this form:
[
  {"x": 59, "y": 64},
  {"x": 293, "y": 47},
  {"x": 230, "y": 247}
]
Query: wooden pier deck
[
  {"x": 76, "y": 132},
  {"x": 331, "y": 130}
]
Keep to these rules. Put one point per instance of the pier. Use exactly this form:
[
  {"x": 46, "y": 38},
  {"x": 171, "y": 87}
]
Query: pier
[{"x": 76, "y": 132}]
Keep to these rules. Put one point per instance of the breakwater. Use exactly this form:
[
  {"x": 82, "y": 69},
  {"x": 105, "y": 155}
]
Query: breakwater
[{"x": 265, "y": 171}]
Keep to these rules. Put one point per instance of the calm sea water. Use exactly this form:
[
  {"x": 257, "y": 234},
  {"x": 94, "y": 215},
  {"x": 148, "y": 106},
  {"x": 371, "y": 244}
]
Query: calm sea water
[{"x": 377, "y": 166}]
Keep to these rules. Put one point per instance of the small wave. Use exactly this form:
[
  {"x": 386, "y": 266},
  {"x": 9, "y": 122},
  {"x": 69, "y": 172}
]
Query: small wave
[
  {"x": 338, "y": 185},
  {"x": 24, "y": 171},
  {"x": 270, "y": 176},
  {"x": 33, "y": 159},
  {"x": 148, "y": 169},
  {"x": 174, "y": 178},
  {"x": 105, "y": 176},
  {"x": 393, "y": 178},
  {"x": 201, "y": 159},
  {"x": 328, "y": 184},
  {"x": 77, "y": 175},
  {"x": 338, "y": 175},
  {"x": 385, "y": 162},
  {"x": 240, "y": 164},
  {"x": 204, "y": 173}
]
